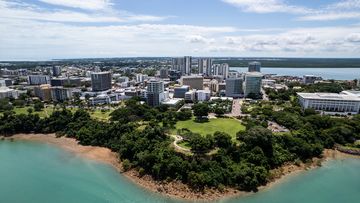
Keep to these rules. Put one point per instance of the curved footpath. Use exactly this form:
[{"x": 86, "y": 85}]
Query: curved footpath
[{"x": 173, "y": 189}]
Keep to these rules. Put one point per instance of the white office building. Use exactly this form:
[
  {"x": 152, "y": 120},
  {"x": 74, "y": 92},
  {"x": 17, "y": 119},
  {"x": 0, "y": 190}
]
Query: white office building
[
  {"x": 190, "y": 95},
  {"x": 155, "y": 92},
  {"x": 6, "y": 92},
  {"x": 203, "y": 95},
  {"x": 331, "y": 103},
  {"x": 141, "y": 78}
]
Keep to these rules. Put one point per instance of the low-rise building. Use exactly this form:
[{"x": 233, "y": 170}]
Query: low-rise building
[
  {"x": 6, "y": 92},
  {"x": 179, "y": 92},
  {"x": 190, "y": 96},
  {"x": 194, "y": 82},
  {"x": 330, "y": 103},
  {"x": 309, "y": 79},
  {"x": 203, "y": 95}
]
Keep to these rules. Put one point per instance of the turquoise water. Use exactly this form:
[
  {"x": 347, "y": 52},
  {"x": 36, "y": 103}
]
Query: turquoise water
[
  {"x": 35, "y": 173},
  {"x": 326, "y": 73}
]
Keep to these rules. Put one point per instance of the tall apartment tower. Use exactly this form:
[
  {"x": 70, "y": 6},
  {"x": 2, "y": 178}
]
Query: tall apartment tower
[
  {"x": 100, "y": 81},
  {"x": 221, "y": 69},
  {"x": 155, "y": 92},
  {"x": 205, "y": 66},
  {"x": 182, "y": 64},
  {"x": 187, "y": 60},
  {"x": 254, "y": 67},
  {"x": 164, "y": 73},
  {"x": 252, "y": 83},
  {"x": 56, "y": 71}
]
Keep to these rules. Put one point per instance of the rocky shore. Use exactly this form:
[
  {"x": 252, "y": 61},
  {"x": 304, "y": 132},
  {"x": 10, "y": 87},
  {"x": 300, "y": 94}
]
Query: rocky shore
[{"x": 173, "y": 189}]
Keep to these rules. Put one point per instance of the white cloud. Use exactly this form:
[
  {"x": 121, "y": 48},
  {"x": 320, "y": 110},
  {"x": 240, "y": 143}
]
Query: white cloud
[
  {"x": 27, "y": 39},
  {"x": 267, "y": 6},
  {"x": 327, "y": 16},
  {"x": 82, "y": 4},
  {"x": 343, "y": 10},
  {"x": 326, "y": 41},
  {"x": 345, "y": 4},
  {"x": 198, "y": 39},
  {"x": 21, "y": 10},
  {"x": 354, "y": 37}
]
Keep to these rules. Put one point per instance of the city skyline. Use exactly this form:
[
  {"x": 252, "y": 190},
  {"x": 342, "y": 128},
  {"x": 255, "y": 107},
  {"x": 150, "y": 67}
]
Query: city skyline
[{"x": 50, "y": 29}]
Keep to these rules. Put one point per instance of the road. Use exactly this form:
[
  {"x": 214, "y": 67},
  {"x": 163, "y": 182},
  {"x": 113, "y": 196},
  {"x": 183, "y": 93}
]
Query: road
[
  {"x": 236, "y": 108},
  {"x": 177, "y": 139}
]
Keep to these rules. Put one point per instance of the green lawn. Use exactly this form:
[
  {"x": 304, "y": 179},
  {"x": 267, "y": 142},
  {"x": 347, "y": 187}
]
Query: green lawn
[
  {"x": 101, "y": 115},
  {"x": 228, "y": 125},
  {"x": 43, "y": 113},
  {"x": 96, "y": 114}
]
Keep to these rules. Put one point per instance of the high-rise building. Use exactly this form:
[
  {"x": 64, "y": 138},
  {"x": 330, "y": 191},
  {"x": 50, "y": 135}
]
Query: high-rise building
[
  {"x": 74, "y": 82},
  {"x": 141, "y": 78},
  {"x": 38, "y": 79},
  {"x": 188, "y": 62},
  {"x": 164, "y": 73},
  {"x": 221, "y": 69},
  {"x": 43, "y": 92},
  {"x": 252, "y": 84},
  {"x": 255, "y": 66},
  {"x": 194, "y": 82},
  {"x": 182, "y": 64},
  {"x": 56, "y": 71},
  {"x": 155, "y": 92},
  {"x": 60, "y": 94},
  {"x": 100, "y": 81},
  {"x": 234, "y": 87},
  {"x": 205, "y": 66}
]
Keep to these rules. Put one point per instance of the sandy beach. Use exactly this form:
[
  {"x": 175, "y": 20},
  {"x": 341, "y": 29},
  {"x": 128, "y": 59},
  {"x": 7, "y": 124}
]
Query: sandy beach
[{"x": 173, "y": 189}]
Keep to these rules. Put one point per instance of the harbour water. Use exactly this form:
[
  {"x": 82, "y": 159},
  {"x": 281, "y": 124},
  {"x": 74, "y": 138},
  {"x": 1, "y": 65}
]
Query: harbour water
[
  {"x": 35, "y": 173},
  {"x": 326, "y": 73}
]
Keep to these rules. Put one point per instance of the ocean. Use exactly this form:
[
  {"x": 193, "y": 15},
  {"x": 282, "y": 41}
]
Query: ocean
[{"x": 33, "y": 172}]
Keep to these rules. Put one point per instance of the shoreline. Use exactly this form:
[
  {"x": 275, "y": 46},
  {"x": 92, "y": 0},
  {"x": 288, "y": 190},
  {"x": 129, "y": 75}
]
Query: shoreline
[{"x": 173, "y": 189}]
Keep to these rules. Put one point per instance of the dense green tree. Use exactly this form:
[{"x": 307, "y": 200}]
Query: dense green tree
[{"x": 201, "y": 110}]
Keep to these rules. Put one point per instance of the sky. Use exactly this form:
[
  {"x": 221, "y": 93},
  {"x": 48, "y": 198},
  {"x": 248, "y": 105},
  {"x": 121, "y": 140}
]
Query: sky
[{"x": 62, "y": 29}]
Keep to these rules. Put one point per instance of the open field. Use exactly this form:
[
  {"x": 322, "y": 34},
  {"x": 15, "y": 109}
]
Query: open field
[
  {"x": 96, "y": 114},
  {"x": 43, "y": 113},
  {"x": 228, "y": 125}
]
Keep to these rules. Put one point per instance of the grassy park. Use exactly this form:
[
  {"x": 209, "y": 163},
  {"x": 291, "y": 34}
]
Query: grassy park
[
  {"x": 228, "y": 125},
  {"x": 96, "y": 114}
]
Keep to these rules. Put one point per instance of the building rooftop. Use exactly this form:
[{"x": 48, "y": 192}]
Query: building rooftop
[
  {"x": 353, "y": 93},
  {"x": 329, "y": 96}
]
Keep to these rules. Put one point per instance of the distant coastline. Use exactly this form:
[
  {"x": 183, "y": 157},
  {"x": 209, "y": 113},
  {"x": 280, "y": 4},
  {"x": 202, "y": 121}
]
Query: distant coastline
[{"x": 172, "y": 189}]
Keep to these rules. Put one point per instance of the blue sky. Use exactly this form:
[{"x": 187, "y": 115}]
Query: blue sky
[{"x": 49, "y": 29}]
